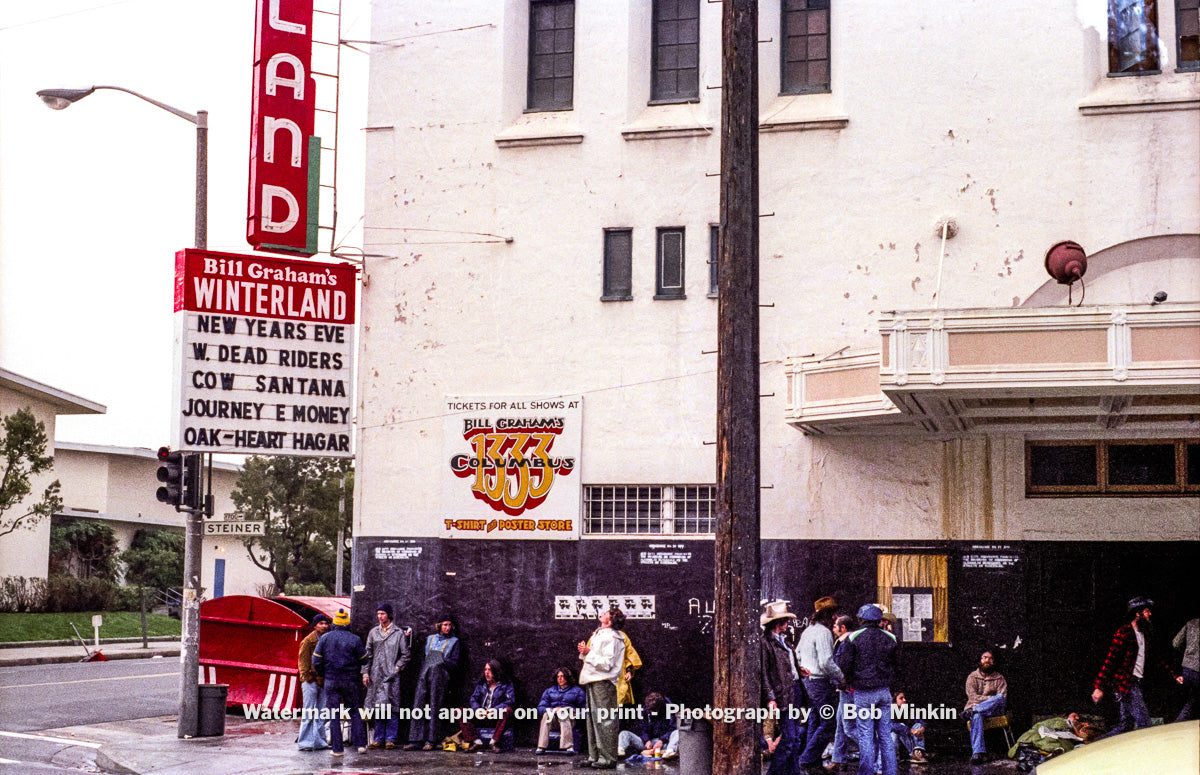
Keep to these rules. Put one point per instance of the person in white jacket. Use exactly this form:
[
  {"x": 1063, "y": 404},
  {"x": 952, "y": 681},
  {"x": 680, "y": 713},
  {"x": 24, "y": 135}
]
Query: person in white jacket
[{"x": 602, "y": 655}]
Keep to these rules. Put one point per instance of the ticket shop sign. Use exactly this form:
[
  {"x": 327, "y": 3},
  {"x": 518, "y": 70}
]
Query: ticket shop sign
[
  {"x": 264, "y": 350},
  {"x": 512, "y": 467}
]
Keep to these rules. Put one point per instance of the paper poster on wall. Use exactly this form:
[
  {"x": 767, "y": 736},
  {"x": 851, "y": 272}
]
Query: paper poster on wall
[
  {"x": 511, "y": 467},
  {"x": 590, "y": 606}
]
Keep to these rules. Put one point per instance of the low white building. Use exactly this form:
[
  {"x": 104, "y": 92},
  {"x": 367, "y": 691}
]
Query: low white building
[
  {"x": 115, "y": 485},
  {"x": 943, "y": 428}
]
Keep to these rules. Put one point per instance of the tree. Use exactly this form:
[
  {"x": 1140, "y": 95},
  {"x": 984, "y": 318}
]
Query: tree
[
  {"x": 154, "y": 559},
  {"x": 297, "y": 498},
  {"x": 85, "y": 549},
  {"x": 23, "y": 455}
]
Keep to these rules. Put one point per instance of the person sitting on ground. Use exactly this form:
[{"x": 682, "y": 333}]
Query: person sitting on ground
[
  {"x": 492, "y": 693},
  {"x": 910, "y": 738},
  {"x": 987, "y": 695},
  {"x": 654, "y": 733},
  {"x": 557, "y": 705}
]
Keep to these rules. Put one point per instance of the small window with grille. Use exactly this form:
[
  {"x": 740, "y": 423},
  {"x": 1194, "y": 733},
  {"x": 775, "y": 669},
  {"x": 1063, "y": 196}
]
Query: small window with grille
[
  {"x": 618, "y": 265},
  {"x": 649, "y": 509}
]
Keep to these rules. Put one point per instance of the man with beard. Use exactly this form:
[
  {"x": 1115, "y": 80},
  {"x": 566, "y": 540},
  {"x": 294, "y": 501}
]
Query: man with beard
[
  {"x": 987, "y": 695},
  {"x": 781, "y": 688},
  {"x": 1125, "y": 665}
]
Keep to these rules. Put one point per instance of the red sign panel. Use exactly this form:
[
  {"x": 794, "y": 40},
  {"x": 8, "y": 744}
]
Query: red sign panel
[
  {"x": 284, "y": 152},
  {"x": 261, "y": 287}
]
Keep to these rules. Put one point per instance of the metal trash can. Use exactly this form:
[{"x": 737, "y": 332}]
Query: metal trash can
[
  {"x": 695, "y": 746},
  {"x": 210, "y": 721}
]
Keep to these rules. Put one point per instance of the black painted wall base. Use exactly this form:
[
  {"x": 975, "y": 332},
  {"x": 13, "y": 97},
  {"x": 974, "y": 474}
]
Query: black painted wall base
[{"x": 1048, "y": 614}]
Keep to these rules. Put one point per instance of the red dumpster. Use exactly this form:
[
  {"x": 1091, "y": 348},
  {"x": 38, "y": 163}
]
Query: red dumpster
[{"x": 251, "y": 643}]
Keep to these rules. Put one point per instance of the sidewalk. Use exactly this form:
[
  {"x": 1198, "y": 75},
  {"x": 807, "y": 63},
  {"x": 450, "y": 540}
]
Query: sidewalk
[
  {"x": 151, "y": 747},
  {"x": 46, "y": 653}
]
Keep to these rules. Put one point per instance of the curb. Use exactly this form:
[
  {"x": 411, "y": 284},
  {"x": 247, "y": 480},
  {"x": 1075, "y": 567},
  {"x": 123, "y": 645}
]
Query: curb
[
  {"x": 61, "y": 659},
  {"x": 108, "y": 764},
  {"x": 35, "y": 644}
]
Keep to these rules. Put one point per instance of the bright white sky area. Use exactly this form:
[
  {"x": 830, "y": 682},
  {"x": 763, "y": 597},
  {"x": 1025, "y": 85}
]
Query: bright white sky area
[{"x": 96, "y": 199}]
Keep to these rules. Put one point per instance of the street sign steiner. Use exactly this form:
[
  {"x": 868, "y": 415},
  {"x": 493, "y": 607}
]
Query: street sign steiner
[
  {"x": 215, "y": 528},
  {"x": 264, "y": 355}
]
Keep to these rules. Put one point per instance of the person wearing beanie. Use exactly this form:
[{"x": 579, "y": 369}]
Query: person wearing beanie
[
  {"x": 441, "y": 657},
  {"x": 312, "y": 689},
  {"x": 388, "y": 653},
  {"x": 867, "y": 659},
  {"x": 1129, "y": 655},
  {"x": 338, "y": 658}
]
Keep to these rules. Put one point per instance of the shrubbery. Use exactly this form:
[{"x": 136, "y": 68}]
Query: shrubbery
[{"x": 65, "y": 594}]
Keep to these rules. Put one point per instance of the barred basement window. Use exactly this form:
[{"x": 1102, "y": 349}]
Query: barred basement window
[
  {"x": 649, "y": 509},
  {"x": 1130, "y": 467}
]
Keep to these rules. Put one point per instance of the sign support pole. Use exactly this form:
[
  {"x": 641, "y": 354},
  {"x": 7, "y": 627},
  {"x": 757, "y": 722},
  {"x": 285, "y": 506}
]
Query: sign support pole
[{"x": 193, "y": 535}]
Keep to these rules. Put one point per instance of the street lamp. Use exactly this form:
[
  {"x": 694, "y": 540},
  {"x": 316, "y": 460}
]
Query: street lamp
[{"x": 59, "y": 99}]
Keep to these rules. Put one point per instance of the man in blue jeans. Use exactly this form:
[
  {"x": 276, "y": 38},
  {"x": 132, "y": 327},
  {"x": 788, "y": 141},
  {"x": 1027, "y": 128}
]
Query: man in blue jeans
[
  {"x": 987, "y": 695},
  {"x": 868, "y": 661},
  {"x": 339, "y": 657},
  {"x": 1129, "y": 656},
  {"x": 824, "y": 677}
]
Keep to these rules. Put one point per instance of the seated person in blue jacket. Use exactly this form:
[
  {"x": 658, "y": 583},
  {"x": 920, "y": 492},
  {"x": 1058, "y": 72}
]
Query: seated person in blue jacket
[
  {"x": 492, "y": 705},
  {"x": 653, "y": 732},
  {"x": 557, "y": 706},
  {"x": 910, "y": 738}
]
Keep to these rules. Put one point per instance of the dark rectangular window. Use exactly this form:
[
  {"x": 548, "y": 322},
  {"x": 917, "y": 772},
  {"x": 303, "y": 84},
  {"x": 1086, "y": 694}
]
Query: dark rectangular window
[
  {"x": 618, "y": 265},
  {"x": 1187, "y": 34},
  {"x": 1132, "y": 36},
  {"x": 1127, "y": 467},
  {"x": 669, "y": 269},
  {"x": 1141, "y": 465},
  {"x": 551, "y": 54},
  {"x": 804, "y": 47},
  {"x": 675, "y": 47},
  {"x": 1063, "y": 465},
  {"x": 714, "y": 253}
]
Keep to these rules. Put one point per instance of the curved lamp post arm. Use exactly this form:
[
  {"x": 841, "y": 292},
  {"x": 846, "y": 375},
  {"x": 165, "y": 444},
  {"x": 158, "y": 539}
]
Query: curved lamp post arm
[{"x": 58, "y": 99}]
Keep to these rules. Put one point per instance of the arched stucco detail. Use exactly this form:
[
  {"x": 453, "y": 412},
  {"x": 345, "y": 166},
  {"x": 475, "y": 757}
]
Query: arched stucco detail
[{"x": 1146, "y": 249}]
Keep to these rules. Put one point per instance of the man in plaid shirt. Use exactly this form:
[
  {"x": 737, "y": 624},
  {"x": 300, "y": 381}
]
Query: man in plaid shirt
[{"x": 1125, "y": 665}]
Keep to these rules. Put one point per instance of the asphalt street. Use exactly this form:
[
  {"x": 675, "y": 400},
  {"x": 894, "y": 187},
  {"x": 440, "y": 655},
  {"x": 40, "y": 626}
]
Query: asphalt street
[{"x": 38, "y": 700}]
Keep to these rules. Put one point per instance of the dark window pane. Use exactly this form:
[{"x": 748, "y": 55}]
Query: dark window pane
[
  {"x": 675, "y": 51},
  {"x": 804, "y": 49},
  {"x": 1062, "y": 466},
  {"x": 618, "y": 264},
  {"x": 1141, "y": 464},
  {"x": 1193, "y": 464},
  {"x": 714, "y": 251},
  {"x": 551, "y": 58},
  {"x": 669, "y": 275}
]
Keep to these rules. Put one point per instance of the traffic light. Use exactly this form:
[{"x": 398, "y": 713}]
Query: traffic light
[
  {"x": 193, "y": 482},
  {"x": 170, "y": 473}
]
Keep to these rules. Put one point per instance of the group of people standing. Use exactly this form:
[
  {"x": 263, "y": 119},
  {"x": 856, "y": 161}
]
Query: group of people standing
[{"x": 335, "y": 667}]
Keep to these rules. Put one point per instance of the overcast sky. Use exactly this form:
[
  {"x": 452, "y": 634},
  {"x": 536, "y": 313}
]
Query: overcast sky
[{"x": 96, "y": 199}]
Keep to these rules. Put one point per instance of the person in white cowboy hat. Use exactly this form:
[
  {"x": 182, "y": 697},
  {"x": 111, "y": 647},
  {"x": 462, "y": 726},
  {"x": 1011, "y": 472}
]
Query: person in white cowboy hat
[{"x": 781, "y": 687}]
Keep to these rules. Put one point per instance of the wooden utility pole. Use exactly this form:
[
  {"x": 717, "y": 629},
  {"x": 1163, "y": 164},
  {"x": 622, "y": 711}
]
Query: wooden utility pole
[{"x": 736, "y": 670}]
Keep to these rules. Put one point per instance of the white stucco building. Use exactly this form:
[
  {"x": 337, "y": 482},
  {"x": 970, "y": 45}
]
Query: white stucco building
[
  {"x": 115, "y": 485},
  {"x": 938, "y": 417}
]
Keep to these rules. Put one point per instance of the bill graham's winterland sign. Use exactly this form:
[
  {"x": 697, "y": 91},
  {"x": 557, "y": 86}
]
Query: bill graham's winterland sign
[
  {"x": 264, "y": 350},
  {"x": 511, "y": 467}
]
